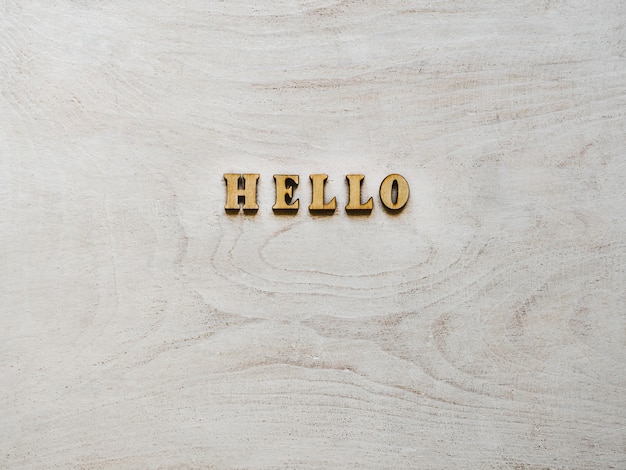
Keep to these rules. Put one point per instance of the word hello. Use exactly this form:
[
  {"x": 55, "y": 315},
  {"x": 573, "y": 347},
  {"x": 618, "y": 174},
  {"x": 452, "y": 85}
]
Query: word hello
[{"x": 241, "y": 189}]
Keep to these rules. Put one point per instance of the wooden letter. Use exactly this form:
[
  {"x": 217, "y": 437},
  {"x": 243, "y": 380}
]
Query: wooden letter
[
  {"x": 354, "y": 202},
  {"x": 241, "y": 187},
  {"x": 285, "y": 184},
  {"x": 317, "y": 201},
  {"x": 394, "y": 192}
]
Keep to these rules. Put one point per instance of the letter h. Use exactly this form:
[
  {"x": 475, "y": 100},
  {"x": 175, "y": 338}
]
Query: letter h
[{"x": 238, "y": 188}]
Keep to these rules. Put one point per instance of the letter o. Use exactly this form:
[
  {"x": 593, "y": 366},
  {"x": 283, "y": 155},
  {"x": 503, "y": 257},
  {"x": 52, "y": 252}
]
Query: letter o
[{"x": 401, "y": 192}]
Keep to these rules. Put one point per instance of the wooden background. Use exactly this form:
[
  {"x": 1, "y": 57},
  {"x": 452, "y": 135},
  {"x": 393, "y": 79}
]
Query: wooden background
[{"x": 484, "y": 327}]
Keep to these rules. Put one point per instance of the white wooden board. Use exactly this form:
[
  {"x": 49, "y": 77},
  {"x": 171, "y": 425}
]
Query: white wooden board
[{"x": 142, "y": 326}]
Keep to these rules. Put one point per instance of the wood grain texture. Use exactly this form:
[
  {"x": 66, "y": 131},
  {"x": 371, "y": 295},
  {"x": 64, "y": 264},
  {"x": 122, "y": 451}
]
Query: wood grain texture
[{"x": 483, "y": 327}]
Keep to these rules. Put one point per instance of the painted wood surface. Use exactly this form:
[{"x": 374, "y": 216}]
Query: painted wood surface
[{"x": 142, "y": 326}]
